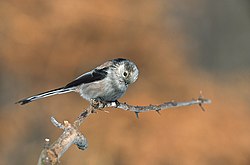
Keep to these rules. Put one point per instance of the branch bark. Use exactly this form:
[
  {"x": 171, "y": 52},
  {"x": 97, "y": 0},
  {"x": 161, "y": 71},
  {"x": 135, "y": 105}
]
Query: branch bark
[{"x": 51, "y": 153}]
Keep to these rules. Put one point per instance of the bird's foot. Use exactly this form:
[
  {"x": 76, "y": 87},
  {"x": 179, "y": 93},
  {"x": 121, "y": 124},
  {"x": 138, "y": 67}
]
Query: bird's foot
[
  {"x": 97, "y": 103},
  {"x": 117, "y": 103}
]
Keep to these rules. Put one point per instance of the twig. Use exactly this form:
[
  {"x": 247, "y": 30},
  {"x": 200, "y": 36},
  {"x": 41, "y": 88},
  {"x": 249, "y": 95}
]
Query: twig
[
  {"x": 52, "y": 153},
  {"x": 157, "y": 108}
]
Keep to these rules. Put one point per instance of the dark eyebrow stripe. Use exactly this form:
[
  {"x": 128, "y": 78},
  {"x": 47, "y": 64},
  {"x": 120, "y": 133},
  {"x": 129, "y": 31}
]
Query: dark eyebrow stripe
[{"x": 119, "y": 60}]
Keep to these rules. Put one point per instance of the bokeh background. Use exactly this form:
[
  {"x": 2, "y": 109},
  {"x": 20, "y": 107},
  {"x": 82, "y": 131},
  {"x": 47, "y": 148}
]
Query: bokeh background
[{"x": 180, "y": 47}]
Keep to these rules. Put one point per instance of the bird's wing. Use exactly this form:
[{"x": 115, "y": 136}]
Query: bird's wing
[{"x": 95, "y": 75}]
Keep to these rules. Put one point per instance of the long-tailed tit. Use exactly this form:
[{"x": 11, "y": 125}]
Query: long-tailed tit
[{"x": 107, "y": 82}]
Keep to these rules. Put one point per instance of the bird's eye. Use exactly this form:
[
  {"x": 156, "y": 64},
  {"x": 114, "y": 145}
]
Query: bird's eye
[{"x": 125, "y": 74}]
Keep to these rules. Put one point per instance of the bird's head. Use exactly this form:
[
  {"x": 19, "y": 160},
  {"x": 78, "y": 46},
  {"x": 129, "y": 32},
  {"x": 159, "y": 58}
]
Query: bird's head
[{"x": 127, "y": 70}]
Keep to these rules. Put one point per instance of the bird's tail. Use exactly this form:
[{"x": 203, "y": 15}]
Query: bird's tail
[{"x": 45, "y": 94}]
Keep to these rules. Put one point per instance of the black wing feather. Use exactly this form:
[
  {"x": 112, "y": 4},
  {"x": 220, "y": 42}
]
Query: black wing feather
[{"x": 96, "y": 75}]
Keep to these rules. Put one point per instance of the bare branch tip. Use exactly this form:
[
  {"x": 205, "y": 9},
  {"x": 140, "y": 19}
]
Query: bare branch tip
[
  {"x": 56, "y": 123},
  {"x": 203, "y": 101}
]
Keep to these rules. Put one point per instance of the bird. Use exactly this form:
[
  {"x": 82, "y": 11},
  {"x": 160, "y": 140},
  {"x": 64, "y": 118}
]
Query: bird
[{"x": 107, "y": 82}]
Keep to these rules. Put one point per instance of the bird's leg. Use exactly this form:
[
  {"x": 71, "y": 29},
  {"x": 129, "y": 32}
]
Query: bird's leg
[{"x": 98, "y": 104}]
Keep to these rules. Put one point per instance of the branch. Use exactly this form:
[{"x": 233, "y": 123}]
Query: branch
[
  {"x": 138, "y": 109},
  {"x": 52, "y": 153}
]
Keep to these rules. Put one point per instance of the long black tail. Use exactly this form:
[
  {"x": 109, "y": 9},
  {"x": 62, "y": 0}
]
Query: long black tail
[{"x": 45, "y": 94}]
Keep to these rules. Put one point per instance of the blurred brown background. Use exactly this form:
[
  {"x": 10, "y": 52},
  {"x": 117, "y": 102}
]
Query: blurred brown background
[{"x": 180, "y": 47}]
